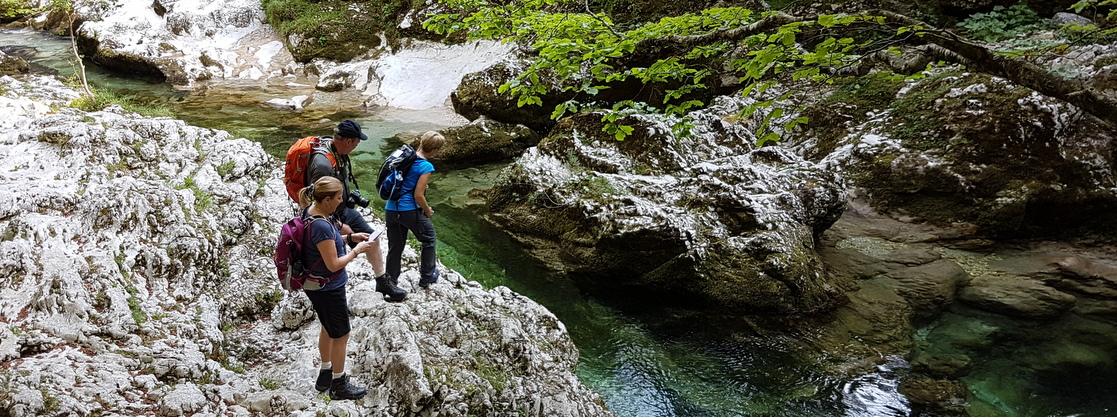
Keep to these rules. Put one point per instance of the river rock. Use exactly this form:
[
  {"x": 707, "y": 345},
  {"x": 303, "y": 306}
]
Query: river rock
[
  {"x": 11, "y": 65},
  {"x": 1065, "y": 18},
  {"x": 702, "y": 218},
  {"x": 294, "y": 103},
  {"x": 478, "y": 94},
  {"x": 1088, "y": 276},
  {"x": 961, "y": 147},
  {"x": 935, "y": 396},
  {"x": 180, "y": 41},
  {"x": 930, "y": 287},
  {"x": 479, "y": 142},
  {"x": 134, "y": 276},
  {"x": 1016, "y": 296}
]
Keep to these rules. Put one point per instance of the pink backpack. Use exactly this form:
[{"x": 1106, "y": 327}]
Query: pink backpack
[{"x": 291, "y": 265}]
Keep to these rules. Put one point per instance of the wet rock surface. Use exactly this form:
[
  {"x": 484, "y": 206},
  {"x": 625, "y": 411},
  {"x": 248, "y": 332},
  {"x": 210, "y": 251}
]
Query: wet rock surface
[
  {"x": 1031, "y": 313},
  {"x": 136, "y": 279},
  {"x": 1017, "y": 296}
]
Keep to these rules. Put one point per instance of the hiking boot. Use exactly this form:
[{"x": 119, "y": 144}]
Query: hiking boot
[
  {"x": 391, "y": 292},
  {"x": 340, "y": 388},
  {"x": 323, "y": 381},
  {"x": 426, "y": 284}
]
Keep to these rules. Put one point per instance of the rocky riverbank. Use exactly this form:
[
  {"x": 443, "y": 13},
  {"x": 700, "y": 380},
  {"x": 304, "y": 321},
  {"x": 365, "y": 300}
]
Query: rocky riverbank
[
  {"x": 231, "y": 44},
  {"x": 981, "y": 217},
  {"x": 136, "y": 279}
]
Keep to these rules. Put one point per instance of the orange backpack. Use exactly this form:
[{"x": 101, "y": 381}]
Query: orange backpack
[{"x": 298, "y": 162}]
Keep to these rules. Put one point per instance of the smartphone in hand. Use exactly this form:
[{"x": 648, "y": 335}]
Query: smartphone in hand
[{"x": 376, "y": 234}]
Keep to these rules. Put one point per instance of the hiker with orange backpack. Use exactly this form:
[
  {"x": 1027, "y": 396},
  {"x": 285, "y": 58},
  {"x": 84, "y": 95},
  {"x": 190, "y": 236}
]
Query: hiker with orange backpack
[{"x": 312, "y": 158}]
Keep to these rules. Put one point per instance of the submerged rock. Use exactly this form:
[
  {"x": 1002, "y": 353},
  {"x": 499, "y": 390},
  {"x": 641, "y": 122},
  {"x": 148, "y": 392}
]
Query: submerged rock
[
  {"x": 1016, "y": 296},
  {"x": 704, "y": 218},
  {"x": 294, "y": 103},
  {"x": 135, "y": 274}
]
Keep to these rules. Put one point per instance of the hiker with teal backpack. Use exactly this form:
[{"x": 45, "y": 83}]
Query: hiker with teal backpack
[
  {"x": 324, "y": 258},
  {"x": 403, "y": 183}
]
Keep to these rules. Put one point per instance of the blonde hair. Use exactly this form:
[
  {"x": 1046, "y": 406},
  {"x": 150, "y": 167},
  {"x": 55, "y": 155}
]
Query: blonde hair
[
  {"x": 429, "y": 142},
  {"x": 326, "y": 187}
]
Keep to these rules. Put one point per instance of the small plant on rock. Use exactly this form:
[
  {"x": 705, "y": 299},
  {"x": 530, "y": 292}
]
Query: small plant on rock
[{"x": 1004, "y": 23}]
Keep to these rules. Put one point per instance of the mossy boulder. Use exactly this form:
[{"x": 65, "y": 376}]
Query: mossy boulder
[
  {"x": 11, "y": 65},
  {"x": 962, "y": 147},
  {"x": 707, "y": 219},
  {"x": 479, "y": 142},
  {"x": 13, "y": 10},
  {"x": 478, "y": 95},
  {"x": 339, "y": 30}
]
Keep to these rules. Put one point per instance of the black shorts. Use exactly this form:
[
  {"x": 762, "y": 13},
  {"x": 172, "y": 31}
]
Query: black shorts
[
  {"x": 332, "y": 310},
  {"x": 356, "y": 222}
]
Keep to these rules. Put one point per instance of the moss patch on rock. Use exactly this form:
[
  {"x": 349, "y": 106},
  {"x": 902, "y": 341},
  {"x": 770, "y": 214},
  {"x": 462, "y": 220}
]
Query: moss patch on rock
[
  {"x": 334, "y": 29},
  {"x": 848, "y": 105},
  {"x": 13, "y": 10},
  {"x": 978, "y": 149}
]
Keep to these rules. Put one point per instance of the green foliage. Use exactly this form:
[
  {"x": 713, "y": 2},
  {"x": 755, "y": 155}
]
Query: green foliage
[
  {"x": 15, "y": 9},
  {"x": 104, "y": 97},
  {"x": 138, "y": 313},
  {"x": 1004, "y": 23},
  {"x": 64, "y": 6},
  {"x": 583, "y": 55},
  {"x": 1109, "y": 7},
  {"x": 50, "y": 402},
  {"x": 225, "y": 168},
  {"x": 269, "y": 384},
  {"x": 268, "y": 300},
  {"x": 202, "y": 198}
]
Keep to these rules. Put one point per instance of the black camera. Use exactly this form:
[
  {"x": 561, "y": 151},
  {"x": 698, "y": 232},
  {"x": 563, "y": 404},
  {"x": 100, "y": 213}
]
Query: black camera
[{"x": 355, "y": 199}]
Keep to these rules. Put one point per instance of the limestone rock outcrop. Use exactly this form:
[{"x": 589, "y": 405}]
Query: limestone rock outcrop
[
  {"x": 705, "y": 218},
  {"x": 135, "y": 278}
]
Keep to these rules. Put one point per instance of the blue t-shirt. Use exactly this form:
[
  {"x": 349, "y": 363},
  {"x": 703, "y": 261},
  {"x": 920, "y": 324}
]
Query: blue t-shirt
[
  {"x": 407, "y": 201},
  {"x": 321, "y": 231}
]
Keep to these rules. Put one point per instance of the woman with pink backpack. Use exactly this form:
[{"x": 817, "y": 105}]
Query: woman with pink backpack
[{"x": 326, "y": 256}]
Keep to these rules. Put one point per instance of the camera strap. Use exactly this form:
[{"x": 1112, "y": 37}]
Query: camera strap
[{"x": 345, "y": 164}]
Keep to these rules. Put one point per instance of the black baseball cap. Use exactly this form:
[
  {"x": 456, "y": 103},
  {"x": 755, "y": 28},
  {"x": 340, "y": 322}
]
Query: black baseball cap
[{"x": 349, "y": 129}]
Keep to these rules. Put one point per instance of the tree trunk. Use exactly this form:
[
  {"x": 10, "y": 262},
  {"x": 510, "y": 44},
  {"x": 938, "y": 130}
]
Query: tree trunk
[
  {"x": 77, "y": 56},
  {"x": 965, "y": 52}
]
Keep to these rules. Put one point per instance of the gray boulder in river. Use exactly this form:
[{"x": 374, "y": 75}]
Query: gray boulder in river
[
  {"x": 706, "y": 218},
  {"x": 135, "y": 278}
]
